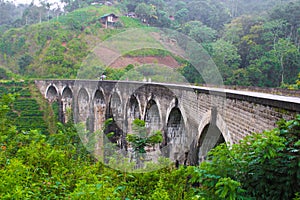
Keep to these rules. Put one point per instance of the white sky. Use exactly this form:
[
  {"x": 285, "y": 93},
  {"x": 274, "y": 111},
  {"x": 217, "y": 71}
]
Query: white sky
[{"x": 36, "y": 2}]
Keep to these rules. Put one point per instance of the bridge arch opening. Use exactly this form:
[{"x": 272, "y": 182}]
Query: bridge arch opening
[
  {"x": 210, "y": 137},
  {"x": 114, "y": 112},
  {"x": 175, "y": 125},
  {"x": 175, "y": 133},
  {"x": 52, "y": 93},
  {"x": 67, "y": 93},
  {"x": 99, "y": 110},
  {"x": 66, "y": 103},
  {"x": 115, "y": 106},
  {"x": 133, "y": 112},
  {"x": 83, "y": 105},
  {"x": 152, "y": 116}
]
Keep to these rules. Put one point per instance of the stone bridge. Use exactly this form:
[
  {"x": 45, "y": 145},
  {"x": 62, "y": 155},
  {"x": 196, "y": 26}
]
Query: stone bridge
[{"x": 192, "y": 119}]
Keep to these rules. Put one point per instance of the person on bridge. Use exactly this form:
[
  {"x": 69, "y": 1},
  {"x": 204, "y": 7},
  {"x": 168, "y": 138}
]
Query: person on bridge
[{"x": 102, "y": 77}]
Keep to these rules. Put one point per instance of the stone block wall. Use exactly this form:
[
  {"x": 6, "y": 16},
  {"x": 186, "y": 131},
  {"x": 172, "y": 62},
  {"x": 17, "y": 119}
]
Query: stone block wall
[{"x": 235, "y": 114}]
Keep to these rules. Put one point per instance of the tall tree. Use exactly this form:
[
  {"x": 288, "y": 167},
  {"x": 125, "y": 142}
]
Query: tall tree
[
  {"x": 226, "y": 58},
  {"x": 145, "y": 12},
  {"x": 211, "y": 12},
  {"x": 199, "y": 32},
  {"x": 291, "y": 14}
]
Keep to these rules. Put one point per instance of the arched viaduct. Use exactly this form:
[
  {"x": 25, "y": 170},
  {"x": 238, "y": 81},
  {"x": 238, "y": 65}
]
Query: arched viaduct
[{"x": 192, "y": 119}]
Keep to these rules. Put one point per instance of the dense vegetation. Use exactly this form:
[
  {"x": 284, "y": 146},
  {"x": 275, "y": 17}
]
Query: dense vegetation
[
  {"x": 25, "y": 113},
  {"x": 251, "y": 42},
  {"x": 35, "y": 165}
]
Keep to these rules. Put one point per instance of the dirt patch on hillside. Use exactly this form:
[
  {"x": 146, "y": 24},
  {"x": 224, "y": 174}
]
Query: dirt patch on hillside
[{"x": 124, "y": 61}]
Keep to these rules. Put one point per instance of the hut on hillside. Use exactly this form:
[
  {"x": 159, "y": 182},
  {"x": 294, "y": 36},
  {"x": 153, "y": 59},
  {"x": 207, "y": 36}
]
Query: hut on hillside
[{"x": 109, "y": 19}]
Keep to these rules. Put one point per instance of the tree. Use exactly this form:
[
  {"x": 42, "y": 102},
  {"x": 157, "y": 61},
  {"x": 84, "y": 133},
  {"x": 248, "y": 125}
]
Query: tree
[
  {"x": 237, "y": 8},
  {"x": 182, "y": 15},
  {"x": 8, "y": 13},
  {"x": 212, "y": 13},
  {"x": 245, "y": 33},
  {"x": 199, "y": 32},
  {"x": 163, "y": 19},
  {"x": 34, "y": 14},
  {"x": 273, "y": 31},
  {"x": 145, "y": 12},
  {"x": 277, "y": 67},
  {"x": 288, "y": 57},
  {"x": 140, "y": 138},
  {"x": 290, "y": 13},
  {"x": 226, "y": 58},
  {"x": 24, "y": 62}
]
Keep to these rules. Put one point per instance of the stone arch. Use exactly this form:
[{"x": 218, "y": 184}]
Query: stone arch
[
  {"x": 175, "y": 136},
  {"x": 175, "y": 103},
  {"x": 175, "y": 125},
  {"x": 67, "y": 92},
  {"x": 83, "y": 105},
  {"x": 210, "y": 135},
  {"x": 99, "y": 110},
  {"x": 153, "y": 116},
  {"x": 115, "y": 111},
  {"x": 221, "y": 124},
  {"x": 66, "y": 103},
  {"x": 52, "y": 93},
  {"x": 133, "y": 111},
  {"x": 115, "y": 106}
]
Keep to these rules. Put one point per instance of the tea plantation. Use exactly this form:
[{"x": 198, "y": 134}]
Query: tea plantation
[{"x": 26, "y": 113}]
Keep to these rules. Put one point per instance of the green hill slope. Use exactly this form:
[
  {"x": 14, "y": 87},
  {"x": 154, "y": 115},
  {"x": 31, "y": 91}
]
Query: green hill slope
[{"x": 56, "y": 48}]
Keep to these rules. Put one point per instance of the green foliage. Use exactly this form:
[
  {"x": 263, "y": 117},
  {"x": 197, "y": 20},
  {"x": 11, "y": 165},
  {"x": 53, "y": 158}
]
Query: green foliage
[
  {"x": 225, "y": 56},
  {"x": 140, "y": 138},
  {"x": 131, "y": 22},
  {"x": 138, "y": 123},
  {"x": 25, "y": 112},
  {"x": 160, "y": 192},
  {"x": 262, "y": 166},
  {"x": 153, "y": 72},
  {"x": 148, "y": 52},
  {"x": 3, "y": 74},
  {"x": 59, "y": 166},
  {"x": 5, "y": 106},
  {"x": 190, "y": 73},
  {"x": 199, "y": 32},
  {"x": 226, "y": 188},
  {"x": 108, "y": 122}
]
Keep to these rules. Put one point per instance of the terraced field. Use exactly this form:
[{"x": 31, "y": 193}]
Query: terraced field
[{"x": 26, "y": 112}]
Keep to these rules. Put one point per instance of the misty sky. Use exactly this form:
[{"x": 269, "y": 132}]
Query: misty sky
[{"x": 35, "y": 1}]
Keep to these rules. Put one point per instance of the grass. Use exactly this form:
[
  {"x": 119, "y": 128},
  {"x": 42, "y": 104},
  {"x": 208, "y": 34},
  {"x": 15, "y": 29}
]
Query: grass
[
  {"x": 148, "y": 52},
  {"x": 129, "y": 22}
]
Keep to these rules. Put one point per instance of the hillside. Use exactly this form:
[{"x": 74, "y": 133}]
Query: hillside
[
  {"x": 56, "y": 48},
  {"x": 252, "y": 43}
]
